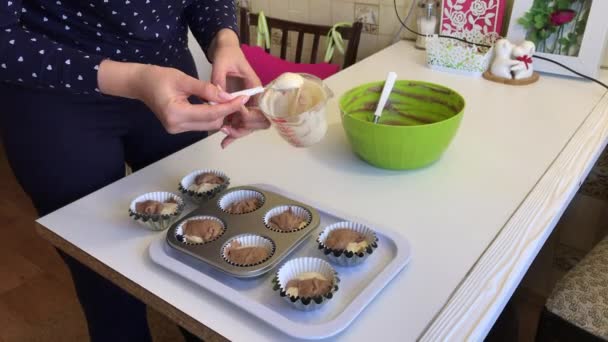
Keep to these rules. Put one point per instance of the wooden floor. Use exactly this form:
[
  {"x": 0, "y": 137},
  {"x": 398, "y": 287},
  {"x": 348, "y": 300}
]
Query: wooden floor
[
  {"x": 38, "y": 302},
  {"x": 37, "y": 299}
]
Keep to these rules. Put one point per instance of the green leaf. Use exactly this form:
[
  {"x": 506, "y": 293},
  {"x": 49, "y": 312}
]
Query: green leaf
[
  {"x": 544, "y": 34},
  {"x": 329, "y": 53},
  {"x": 539, "y": 25},
  {"x": 533, "y": 36},
  {"x": 564, "y": 41},
  {"x": 523, "y": 22},
  {"x": 338, "y": 41},
  {"x": 563, "y": 4}
]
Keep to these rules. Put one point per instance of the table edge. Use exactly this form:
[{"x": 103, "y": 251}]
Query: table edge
[
  {"x": 479, "y": 299},
  {"x": 174, "y": 314}
]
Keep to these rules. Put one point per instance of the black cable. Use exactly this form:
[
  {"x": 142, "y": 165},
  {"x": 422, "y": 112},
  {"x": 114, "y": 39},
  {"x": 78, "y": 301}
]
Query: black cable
[
  {"x": 572, "y": 71},
  {"x": 487, "y": 46}
]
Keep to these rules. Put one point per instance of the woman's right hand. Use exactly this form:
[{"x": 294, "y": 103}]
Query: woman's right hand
[{"x": 166, "y": 91}]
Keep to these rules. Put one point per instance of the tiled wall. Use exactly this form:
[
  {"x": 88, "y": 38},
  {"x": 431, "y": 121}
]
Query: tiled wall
[{"x": 329, "y": 12}]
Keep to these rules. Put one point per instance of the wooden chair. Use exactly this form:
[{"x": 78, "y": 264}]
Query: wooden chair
[{"x": 352, "y": 34}]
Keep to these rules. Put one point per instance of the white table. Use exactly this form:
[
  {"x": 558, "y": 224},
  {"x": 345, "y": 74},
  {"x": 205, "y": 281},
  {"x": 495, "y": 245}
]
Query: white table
[{"x": 475, "y": 219}]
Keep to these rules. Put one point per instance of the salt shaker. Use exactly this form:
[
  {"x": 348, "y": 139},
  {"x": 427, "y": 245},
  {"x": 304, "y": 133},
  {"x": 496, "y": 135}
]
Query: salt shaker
[{"x": 427, "y": 21}]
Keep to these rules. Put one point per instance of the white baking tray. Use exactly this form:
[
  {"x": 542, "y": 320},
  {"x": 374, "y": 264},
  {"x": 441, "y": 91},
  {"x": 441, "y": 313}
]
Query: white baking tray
[{"x": 359, "y": 285}]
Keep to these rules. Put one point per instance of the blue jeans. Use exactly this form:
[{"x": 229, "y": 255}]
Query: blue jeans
[{"x": 62, "y": 147}]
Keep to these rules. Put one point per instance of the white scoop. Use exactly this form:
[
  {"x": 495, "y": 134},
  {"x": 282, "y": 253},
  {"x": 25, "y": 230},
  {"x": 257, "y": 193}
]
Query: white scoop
[
  {"x": 288, "y": 81},
  {"x": 247, "y": 92},
  {"x": 386, "y": 91}
]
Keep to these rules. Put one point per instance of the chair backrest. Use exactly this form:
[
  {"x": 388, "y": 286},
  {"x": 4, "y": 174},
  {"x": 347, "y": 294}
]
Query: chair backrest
[{"x": 352, "y": 34}]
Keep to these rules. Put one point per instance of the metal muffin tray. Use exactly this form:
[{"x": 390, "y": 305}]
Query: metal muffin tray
[{"x": 247, "y": 223}]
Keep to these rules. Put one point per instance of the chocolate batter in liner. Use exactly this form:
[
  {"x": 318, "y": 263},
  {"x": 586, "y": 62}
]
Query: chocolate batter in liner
[
  {"x": 197, "y": 196},
  {"x": 287, "y": 219},
  {"x": 299, "y": 267},
  {"x": 156, "y": 221},
  {"x": 341, "y": 256},
  {"x": 254, "y": 244},
  {"x": 240, "y": 202},
  {"x": 181, "y": 230}
]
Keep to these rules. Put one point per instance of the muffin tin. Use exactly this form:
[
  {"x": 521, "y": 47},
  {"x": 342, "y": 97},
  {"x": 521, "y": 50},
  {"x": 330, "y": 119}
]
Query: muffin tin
[
  {"x": 359, "y": 285},
  {"x": 247, "y": 223}
]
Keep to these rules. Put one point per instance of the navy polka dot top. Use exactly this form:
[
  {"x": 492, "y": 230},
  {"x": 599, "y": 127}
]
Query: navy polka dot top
[{"x": 59, "y": 43}]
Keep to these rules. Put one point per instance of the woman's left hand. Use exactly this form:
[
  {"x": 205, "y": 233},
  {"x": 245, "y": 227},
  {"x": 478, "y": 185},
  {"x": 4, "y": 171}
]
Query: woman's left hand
[
  {"x": 229, "y": 61},
  {"x": 240, "y": 124}
]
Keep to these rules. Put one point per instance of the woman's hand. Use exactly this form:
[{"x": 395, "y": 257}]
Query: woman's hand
[
  {"x": 229, "y": 61},
  {"x": 240, "y": 124},
  {"x": 165, "y": 91}
]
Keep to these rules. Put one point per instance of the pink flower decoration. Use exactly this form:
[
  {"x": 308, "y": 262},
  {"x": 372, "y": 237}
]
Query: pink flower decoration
[{"x": 561, "y": 17}]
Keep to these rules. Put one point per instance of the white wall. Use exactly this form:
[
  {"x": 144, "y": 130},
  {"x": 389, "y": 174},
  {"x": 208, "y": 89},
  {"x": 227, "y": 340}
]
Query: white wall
[
  {"x": 202, "y": 65},
  {"x": 605, "y": 63}
]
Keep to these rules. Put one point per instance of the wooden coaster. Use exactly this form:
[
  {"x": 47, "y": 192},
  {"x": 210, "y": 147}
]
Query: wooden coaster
[{"x": 488, "y": 76}]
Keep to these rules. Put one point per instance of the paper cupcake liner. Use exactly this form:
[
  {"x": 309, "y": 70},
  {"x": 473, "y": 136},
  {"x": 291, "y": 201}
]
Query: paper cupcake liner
[
  {"x": 249, "y": 240},
  {"x": 200, "y": 197},
  {"x": 240, "y": 195},
  {"x": 157, "y": 222},
  {"x": 298, "y": 211},
  {"x": 292, "y": 269},
  {"x": 343, "y": 257},
  {"x": 179, "y": 231}
]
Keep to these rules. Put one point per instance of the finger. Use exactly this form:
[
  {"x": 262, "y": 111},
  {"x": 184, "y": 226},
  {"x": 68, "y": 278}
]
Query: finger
[
  {"x": 236, "y": 132},
  {"x": 250, "y": 125},
  {"x": 255, "y": 117},
  {"x": 251, "y": 78},
  {"x": 233, "y": 135},
  {"x": 247, "y": 119},
  {"x": 228, "y": 120},
  {"x": 201, "y": 126},
  {"x": 233, "y": 120},
  {"x": 227, "y": 141},
  {"x": 218, "y": 75},
  {"x": 206, "y": 113},
  {"x": 204, "y": 90}
]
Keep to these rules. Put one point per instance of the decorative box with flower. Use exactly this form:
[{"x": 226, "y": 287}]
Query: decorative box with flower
[
  {"x": 446, "y": 54},
  {"x": 556, "y": 27},
  {"x": 472, "y": 19}
]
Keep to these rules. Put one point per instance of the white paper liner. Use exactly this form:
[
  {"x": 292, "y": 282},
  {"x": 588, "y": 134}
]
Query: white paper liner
[
  {"x": 342, "y": 257},
  {"x": 296, "y": 210},
  {"x": 293, "y": 268},
  {"x": 197, "y": 196},
  {"x": 156, "y": 222},
  {"x": 240, "y": 195},
  {"x": 249, "y": 240},
  {"x": 179, "y": 231}
]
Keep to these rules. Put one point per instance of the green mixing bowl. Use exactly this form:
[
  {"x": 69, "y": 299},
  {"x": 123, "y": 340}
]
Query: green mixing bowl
[{"x": 416, "y": 126}]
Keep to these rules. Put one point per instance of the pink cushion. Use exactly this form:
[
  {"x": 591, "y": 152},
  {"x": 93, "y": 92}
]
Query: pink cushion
[{"x": 269, "y": 67}]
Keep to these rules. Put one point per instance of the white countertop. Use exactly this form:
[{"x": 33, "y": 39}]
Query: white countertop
[{"x": 450, "y": 211}]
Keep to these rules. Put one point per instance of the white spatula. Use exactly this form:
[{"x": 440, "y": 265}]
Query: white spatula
[
  {"x": 247, "y": 92},
  {"x": 386, "y": 91}
]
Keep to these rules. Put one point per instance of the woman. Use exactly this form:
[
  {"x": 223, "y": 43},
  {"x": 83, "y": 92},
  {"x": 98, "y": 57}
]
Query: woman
[{"x": 90, "y": 85}]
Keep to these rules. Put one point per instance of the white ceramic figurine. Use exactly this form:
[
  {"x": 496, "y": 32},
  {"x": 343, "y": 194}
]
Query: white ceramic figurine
[
  {"x": 523, "y": 54},
  {"x": 503, "y": 62}
]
